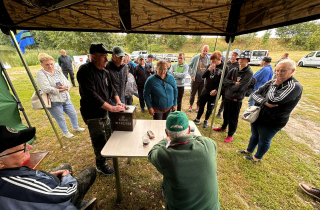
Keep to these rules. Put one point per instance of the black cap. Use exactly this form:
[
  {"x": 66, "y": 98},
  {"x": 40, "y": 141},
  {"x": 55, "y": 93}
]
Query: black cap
[
  {"x": 98, "y": 48},
  {"x": 150, "y": 56},
  {"x": 245, "y": 54},
  {"x": 267, "y": 59},
  {"x": 10, "y": 137}
]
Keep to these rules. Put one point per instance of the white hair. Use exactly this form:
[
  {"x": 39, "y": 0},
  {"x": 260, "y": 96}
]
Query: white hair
[
  {"x": 290, "y": 63},
  {"x": 178, "y": 134}
]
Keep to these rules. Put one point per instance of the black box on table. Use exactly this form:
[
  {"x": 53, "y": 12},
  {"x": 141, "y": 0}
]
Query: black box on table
[{"x": 124, "y": 121}]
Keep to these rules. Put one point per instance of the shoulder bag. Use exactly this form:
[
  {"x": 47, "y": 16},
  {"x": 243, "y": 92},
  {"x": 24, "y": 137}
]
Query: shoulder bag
[{"x": 251, "y": 114}]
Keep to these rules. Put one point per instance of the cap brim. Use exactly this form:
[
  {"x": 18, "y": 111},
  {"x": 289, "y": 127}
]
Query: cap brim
[{"x": 120, "y": 54}]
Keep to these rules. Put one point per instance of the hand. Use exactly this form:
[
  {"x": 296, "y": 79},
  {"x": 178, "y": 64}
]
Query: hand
[
  {"x": 61, "y": 172},
  {"x": 117, "y": 108},
  {"x": 173, "y": 108},
  {"x": 237, "y": 83},
  {"x": 121, "y": 104},
  {"x": 151, "y": 111},
  {"x": 213, "y": 92},
  {"x": 151, "y": 69},
  {"x": 191, "y": 76},
  {"x": 270, "y": 105},
  {"x": 212, "y": 66},
  {"x": 168, "y": 138}
]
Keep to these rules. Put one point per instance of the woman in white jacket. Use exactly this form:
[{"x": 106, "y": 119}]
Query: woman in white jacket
[{"x": 54, "y": 83}]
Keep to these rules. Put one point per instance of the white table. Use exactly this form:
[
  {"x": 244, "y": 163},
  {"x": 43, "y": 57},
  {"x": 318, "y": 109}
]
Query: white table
[{"x": 129, "y": 144}]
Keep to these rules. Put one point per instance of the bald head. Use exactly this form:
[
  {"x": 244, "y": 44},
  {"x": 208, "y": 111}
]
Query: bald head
[
  {"x": 205, "y": 50},
  {"x": 63, "y": 52}
]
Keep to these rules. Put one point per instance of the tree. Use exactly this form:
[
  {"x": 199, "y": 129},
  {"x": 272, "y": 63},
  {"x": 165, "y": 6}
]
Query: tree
[
  {"x": 246, "y": 39},
  {"x": 197, "y": 39},
  {"x": 175, "y": 42},
  {"x": 136, "y": 42},
  {"x": 5, "y": 39},
  {"x": 266, "y": 36}
]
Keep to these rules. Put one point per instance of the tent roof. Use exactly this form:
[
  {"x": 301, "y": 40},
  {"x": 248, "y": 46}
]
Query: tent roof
[{"x": 192, "y": 17}]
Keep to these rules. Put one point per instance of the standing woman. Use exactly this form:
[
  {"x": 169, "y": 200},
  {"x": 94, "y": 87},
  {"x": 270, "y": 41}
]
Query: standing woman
[
  {"x": 54, "y": 83},
  {"x": 160, "y": 92}
]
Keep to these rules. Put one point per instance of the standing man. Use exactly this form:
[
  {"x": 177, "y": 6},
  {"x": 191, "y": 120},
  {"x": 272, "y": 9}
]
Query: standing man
[
  {"x": 130, "y": 64},
  {"x": 232, "y": 63},
  {"x": 96, "y": 91},
  {"x": 262, "y": 76},
  {"x": 150, "y": 61},
  {"x": 65, "y": 63},
  {"x": 179, "y": 71},
  {"x": 188, "y": 164},
  {"x": 236, "y": 84},
  {"x": 283, "y": 57},
  {"x": 197, "y": 66}
]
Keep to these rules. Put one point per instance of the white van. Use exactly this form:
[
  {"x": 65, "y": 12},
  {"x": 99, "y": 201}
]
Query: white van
[
  {"x": 257, "y": 55},
  {"x": 135, "y": 54},
  {"x": 312, "y": 59}
]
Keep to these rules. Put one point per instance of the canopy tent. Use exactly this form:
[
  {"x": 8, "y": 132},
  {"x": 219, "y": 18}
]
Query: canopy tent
[{"x": 227, "y": 18}]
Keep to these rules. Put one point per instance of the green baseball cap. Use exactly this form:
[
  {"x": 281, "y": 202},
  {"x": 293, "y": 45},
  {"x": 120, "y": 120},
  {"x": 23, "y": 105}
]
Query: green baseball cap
[
  {"x": 118, "y": 51},
  {"x": 177, "y": 121}
]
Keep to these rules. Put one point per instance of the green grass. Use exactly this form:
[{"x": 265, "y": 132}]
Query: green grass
[{"x": 271, "y": 184}]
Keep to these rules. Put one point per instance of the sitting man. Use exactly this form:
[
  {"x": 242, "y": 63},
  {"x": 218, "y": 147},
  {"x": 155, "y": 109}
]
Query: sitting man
[
  {"x": 188, "y": 164},
  {"x": 24, "y": 188}
]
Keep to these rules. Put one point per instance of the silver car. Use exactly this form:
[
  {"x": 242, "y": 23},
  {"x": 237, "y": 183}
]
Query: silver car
[{"x": 312, "y": 59}]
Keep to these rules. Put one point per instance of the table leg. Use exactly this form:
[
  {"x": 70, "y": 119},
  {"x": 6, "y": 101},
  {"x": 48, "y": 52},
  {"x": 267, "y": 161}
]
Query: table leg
[{"x": 117, "y": 174}]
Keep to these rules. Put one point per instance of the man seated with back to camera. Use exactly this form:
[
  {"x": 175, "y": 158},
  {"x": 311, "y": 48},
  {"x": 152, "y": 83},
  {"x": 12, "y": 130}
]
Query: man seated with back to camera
[
  {"x": 24, "y": 188},
  {"x": 188, "y": 164}
]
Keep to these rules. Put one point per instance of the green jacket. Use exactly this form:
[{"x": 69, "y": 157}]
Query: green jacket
[{"x": 189, "y": 172}]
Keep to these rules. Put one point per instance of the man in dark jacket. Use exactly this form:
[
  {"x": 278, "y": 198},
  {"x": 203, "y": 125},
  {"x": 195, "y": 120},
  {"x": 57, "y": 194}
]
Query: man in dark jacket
[
  {"x": 236, "y": 84},
  {"x": 232, "y": 63},
  {"x": 188, "y": 164},
  {"x": 24, "y": 188},
  {"x": 141, "y": 74},
  {"x": 65, "y": 63},
  {"x": 96, "y": 91}
]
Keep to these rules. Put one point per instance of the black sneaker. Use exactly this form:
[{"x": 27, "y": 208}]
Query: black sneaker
[
  {"x": 142, "y": 110},
  {"x": 243, "y": 152},
  {"x": 205, "y": 124},
  {"x": 106, "y": 170},
  {"x": 87, "y": 205},
  {"x": 197, "y": 122},
  {"x": 219, "y": 115},
  {"x": 250, "y": 158}
]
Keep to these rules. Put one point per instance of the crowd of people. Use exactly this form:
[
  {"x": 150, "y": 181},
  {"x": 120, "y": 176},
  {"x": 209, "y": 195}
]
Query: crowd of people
[{"x": 107, "y": 86}]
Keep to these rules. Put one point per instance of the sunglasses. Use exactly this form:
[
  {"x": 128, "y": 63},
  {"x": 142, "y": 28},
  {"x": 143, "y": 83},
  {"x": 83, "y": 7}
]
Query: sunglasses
[{"x": 24, "y": 150}]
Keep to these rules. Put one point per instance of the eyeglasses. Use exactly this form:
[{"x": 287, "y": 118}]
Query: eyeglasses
[
  {"x": 24, "y": 150},
  {"x": 163, "y": 69}
]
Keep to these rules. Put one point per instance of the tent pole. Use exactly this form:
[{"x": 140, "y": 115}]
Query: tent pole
[
  {"x": 220, "y": 86},
  {"x": 13, "y": 37}
]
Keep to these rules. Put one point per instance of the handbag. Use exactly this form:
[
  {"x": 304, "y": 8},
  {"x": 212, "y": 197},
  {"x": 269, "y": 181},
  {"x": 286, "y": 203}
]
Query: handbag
[
  {"x": 251, "y": 114},
  {"x": 36, "y": 103}
]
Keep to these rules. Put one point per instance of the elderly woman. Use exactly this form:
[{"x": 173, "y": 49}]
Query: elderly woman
[
  {"x": 160, "y": 92},
  {"x": 277, "y": 97},
  {"x": 54, "y": 83}
]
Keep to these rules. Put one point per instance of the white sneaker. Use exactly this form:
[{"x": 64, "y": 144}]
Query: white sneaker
[
  {"x": 79, "y": 129},
  {"x": 68, "y": 135}
]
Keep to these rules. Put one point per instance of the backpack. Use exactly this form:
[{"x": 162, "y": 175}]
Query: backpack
[{"x": 251, "y": 86}]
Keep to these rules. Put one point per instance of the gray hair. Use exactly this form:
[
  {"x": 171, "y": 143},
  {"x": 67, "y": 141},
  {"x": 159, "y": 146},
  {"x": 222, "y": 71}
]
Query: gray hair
[
  {"x": 291, "y": 63},
  {"x": 174, "y": 135}
]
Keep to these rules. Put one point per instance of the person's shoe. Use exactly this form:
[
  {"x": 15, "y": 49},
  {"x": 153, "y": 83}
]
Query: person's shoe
[
  {"x": 197, "y": 109},
  {"x": 314, "y": 192},
  {"x": 219, "y": 115},
  {"x": 142, "y": 110},
  {"x": 228, "y": 139},
  {"x": 251, "y": 158},
  {"x": 205, "y": 124},
  {"x": 87, "y": 205},
  {"x": 220, "y": 129},
  {"x": 197, "y": 122},
  {"x": 190, "y": 108},
  {"x": 79, "y": 129},
  {"x": 243, "y": 152},
  {"x": 106, "y": 170},
  {"x": 68, "y": 135}
]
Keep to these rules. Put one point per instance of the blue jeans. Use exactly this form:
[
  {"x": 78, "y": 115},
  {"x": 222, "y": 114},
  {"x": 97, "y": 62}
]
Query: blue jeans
[
  {"x": 57, "y": 109},
  {"x": 251, "y": 101},
  {"x": 261, "y": 136}
]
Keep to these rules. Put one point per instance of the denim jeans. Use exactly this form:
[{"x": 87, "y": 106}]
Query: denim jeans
[
  {"x": 57, "y": 109},
  {"x": 261, "y": 136},
  {"x": 251, "y": 101}
]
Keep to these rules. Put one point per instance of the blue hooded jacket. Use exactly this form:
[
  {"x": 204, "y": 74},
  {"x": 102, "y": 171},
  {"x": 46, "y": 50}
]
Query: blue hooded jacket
[
  {"x": 160, "y": 93},
  {"x": 263, "y": 75}
]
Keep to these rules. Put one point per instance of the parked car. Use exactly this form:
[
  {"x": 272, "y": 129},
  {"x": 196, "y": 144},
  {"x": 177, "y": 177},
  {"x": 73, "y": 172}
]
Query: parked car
[
  {"x": 135, "y": 54},
  {"x": 161, "y": 56},
  {"x": 312, "y": 59},
  {"x": 257, "y": 55},
  {"x": 172, "y": 57}
]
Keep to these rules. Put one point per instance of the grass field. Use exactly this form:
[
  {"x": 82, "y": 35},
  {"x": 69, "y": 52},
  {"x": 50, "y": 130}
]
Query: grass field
[{"x": 271, "y": 184}]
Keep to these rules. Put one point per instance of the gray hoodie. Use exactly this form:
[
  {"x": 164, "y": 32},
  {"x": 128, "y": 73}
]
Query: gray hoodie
[{"x": 179, "y": 73}]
